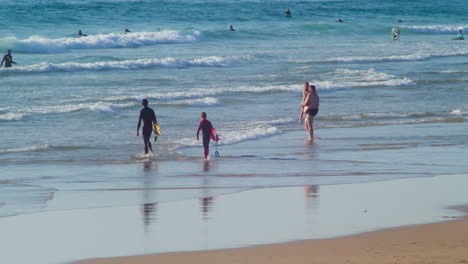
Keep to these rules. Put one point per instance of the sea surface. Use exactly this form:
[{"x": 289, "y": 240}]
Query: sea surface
[{"x": 69, "y": 106}]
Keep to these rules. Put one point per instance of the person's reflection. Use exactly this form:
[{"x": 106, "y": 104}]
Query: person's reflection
[
  {"x": 311, "y": 195},
  {"x": 206, "y": 200},
  {"x": 311, "y": 191},
  {"x": 148, "y": 208}
]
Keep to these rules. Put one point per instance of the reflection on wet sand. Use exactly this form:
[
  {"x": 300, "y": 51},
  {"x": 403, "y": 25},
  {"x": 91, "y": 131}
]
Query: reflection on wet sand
[
  {"x": 311, "y": 196},
  {"x": 148, "y": 209},
  {"x": 207, "y": 199}
]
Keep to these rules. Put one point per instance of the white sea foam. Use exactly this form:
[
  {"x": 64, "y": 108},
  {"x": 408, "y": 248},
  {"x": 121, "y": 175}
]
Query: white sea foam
[
  {"x": 231, "y": 134},
  {"x": 346, "y": 78},
  {"x": 39, "y": 44},
  {"x": 437, "y": 29},
  {"x": 102, "y": 107},
  {"x": 120, "y": 65},
  {"x": 207, "y": 101},
  {"x": 408, "y": 57},
  {"x": 457, "y": 112},
  {"x": 204, "y": 93},
  {"x": 12, "y": 116},
  {"x": 401, "y": 117},
  {"x": 429, "y": 120},
  {"x": 25, "y": 149}
]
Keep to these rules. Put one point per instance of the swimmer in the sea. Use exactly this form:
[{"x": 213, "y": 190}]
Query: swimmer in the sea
[
  {"x": 127, "y": 31},
  {"x": 287, "y": 13},
  {"x": 231, "y": 28},
  {"x": 340, "y": 20}
]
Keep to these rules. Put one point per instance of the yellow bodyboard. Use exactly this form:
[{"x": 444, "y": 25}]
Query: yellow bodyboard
[{"x": 157, "y": 130}]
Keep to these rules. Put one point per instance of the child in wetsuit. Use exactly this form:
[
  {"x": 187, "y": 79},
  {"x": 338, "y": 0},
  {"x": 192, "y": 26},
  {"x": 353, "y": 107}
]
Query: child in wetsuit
[{"x": 206, "y": 128}]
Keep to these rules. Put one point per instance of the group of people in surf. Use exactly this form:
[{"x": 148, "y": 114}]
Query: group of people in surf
[{"x": 309, "y": 109}]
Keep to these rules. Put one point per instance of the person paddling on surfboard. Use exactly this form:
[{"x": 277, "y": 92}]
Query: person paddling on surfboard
[
  {"x": 287, "y": 13},
  {"x": 207, "y": 133},
  {"x": 80, "y": 34},
  {"x": 149, "y": 117}
]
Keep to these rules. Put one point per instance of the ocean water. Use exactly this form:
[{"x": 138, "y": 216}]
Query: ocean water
[{"x": 69, "y": 107}]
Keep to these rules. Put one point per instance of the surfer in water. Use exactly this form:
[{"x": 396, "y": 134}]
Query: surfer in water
[
  {"x": 287, "y": 13},
  {"x": 305, "y": 93},
  {"x": 80, "y": 34},
  {"x": 206, "y": 127},
  {"x": 8, "y": 59},
  {"x": 460, "y": 35},
  {"x": 340, "y": 20},
  {"x": 311, "y": 108},
  {"x": 231, "y": 28},
  {"x": 127, "y": 31},
  {"x": 149, "y": 117}
]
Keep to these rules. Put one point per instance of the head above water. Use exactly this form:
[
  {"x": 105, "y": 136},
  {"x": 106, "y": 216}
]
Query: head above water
[
  {"x": 203, "y": 115},
  {"x": 144, "y": 102}
]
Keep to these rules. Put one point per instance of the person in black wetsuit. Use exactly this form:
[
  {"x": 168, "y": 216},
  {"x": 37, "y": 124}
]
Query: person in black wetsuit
[
  {"x": 206, "y": 127},
  {"x": 149, "y": 117},
  {"x": 8, "y": 59}
]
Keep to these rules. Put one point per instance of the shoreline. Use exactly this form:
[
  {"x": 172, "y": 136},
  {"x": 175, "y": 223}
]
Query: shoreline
[{"x": 442, "y": 242}]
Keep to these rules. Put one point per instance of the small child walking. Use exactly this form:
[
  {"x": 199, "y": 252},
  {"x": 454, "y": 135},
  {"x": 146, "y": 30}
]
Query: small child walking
[{"x": 206, "y": 128}]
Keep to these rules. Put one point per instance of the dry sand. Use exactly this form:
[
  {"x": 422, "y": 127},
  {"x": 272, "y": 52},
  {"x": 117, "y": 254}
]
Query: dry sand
[{"x": 445, "y": 242}]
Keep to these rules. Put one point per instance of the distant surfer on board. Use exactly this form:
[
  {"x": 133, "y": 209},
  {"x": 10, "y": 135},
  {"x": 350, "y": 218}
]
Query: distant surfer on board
[
  {"x": 149, "y": 118},
  {"x": 395, "y": 33},
  {"x": 127, "y": 31},
  {"x": 340, "y": 20},
  {"x": 8, "y": 59},
  {"x": 231, "y": 28},
  {"x": 80, "y": 34},
  {"x": 287, "y": 13},
  {"x": 208, "y": 133}
]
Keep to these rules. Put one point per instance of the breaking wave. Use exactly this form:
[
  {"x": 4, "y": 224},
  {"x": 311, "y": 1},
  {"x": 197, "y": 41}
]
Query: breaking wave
[
  {"x": 119, "y": 65},
  {"x": 39, "y": 44}
]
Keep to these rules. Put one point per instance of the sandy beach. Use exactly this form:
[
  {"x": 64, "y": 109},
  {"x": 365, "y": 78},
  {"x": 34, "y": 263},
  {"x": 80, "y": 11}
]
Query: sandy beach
[{"x": 445, "y": 242}]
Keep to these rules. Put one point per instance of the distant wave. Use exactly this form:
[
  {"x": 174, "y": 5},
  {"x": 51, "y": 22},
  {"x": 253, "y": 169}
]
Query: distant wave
[
  {"x": 363, "y": 78},
  {"x": 41, "y": 148},
  {"x": 119, "y": 65},
  {"x": 39, "y": 44},
  {"x": 12, "y": 116},
  {"x": 396, "y": 122},
  {"x": 409, "y": 57},
  {"x": 345, "y": 78},
  {"x": 100, "y": 107},
  {"x": 207, "y": 101},
  {"x": 436, "y": 29},
  {"x": 386, "y": 116},
  {"x": 384, "y": 119},
  {"x": 25, "y": 149}
]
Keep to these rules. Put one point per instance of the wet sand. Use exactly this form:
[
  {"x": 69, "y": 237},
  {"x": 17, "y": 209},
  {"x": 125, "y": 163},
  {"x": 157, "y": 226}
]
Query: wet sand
[{"x": 445, "y": 242}]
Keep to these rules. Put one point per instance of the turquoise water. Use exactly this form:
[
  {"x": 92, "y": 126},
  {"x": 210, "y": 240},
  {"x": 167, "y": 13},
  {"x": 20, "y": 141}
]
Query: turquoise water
[{"x": 69, "y": 107}]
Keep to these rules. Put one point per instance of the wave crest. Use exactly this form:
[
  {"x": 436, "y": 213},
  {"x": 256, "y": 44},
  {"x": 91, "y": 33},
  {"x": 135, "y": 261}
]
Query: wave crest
[
  {"x": 436, "y": 29},
  {"x": 39, "y": 44},
  {"x": 212, "y": 61}
]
